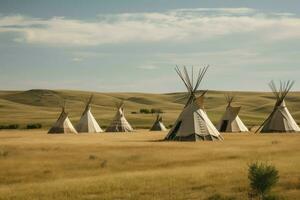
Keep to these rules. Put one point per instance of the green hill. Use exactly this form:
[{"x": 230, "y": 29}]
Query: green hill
[{"x": 43, "y": 106}]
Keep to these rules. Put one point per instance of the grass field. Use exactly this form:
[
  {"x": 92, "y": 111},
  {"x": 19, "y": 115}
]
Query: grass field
[
  {"x": 34, "y": 165},
  {"x": 43, "y": 106}
]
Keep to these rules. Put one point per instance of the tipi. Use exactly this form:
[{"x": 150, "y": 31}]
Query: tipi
[
  {"x": 63, "y": 124},
  {"x": 87, "y": 122},
  {"x": 230, "y": 122},
  {"x": 193, "y": 123},
  {"x": 119, "y": 123},
  {"x": 158, "y": 124},
  {"x": 280, "y": 119}
]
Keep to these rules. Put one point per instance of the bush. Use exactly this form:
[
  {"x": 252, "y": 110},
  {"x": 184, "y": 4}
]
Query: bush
[
  {"x": 34, "y": 126},
  {"x": 11, "y": 126},
  {"x": 152, "y": 110},
  {"x": 133, "y": 112},
  {"x": 262, "y": 179},
  {"x": 144, "y": 110}
]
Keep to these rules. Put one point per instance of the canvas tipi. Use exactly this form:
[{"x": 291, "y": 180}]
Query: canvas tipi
[
  {"x": 280, "y": 119},
  {"x": 119, "y": 123},
  {"x": 63, "y": 124},
  {"x": 87, "y": 122},
  {"x": 158, "y": 124},
  {"x": 230, "y": 122},
  {"x": 193, "y": 123}
]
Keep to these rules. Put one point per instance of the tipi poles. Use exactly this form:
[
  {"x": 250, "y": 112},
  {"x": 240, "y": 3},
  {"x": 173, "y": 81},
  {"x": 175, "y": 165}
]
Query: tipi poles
[{"x": 189, "y": 80}]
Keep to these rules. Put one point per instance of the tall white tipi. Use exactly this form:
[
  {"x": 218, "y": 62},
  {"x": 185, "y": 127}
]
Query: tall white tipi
[
  {"x": 87, "y": 122},
  {"x": 280, "y": 119},
  {"x": 193, "y": 123},
  {"x": 63, "y": 124},
  {"x": 230, "y": 121},
  {"x": 119, "y": 123}
]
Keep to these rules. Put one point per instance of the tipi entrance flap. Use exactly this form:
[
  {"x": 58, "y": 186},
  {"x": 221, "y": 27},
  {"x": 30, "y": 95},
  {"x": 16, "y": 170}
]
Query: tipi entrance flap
[
  {"x": 224, "y": 125},
  {"x": 174, "y": 131}
]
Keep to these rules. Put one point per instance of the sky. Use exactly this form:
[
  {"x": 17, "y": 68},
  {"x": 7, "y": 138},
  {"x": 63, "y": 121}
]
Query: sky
[{"x": 134, "y": 45}]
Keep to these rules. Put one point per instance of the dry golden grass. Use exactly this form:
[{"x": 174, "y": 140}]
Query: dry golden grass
[
  {"x": 43, "y": 106},
  {"x": 34, "y": 165}
]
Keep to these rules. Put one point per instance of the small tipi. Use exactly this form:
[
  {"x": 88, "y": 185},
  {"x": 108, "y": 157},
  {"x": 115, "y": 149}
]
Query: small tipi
[
  {"x": 280, "y": 119},
  {"x": 193, "y": 123},
  {"x": 158, "y": 124},
  {"x": 230, "y": 121},
  {"x": 63, "y": 124},
  {"x": 87, "y": 122},
  {"x": 119, "y": 123}
]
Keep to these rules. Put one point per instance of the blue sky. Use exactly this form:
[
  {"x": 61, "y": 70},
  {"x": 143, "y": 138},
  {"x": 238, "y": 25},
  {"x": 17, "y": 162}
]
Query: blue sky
[{"x": 122, "y": 46}]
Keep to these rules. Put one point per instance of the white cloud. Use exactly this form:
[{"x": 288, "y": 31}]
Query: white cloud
[
  {"x": 175, "y": 26},
  {"x": 77, "y": 59},
  {"x": 148, "y": 67},
  {"x": 220, "y": 10}
]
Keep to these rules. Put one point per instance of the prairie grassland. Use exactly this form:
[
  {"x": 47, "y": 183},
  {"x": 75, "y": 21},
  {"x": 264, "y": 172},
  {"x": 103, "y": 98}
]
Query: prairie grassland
[
  {"x": 43, "y": 106},
  {"x": 34, "y": 165}
]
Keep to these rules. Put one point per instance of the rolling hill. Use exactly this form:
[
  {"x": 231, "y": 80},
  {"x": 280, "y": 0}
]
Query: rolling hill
[{"x": 43, "y": 106}]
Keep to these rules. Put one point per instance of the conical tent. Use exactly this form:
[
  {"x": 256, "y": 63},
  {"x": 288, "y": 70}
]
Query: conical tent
[
  {"x": 280, "y": 119},
  {"x": 119, "y": 123},
  {"x": 87, "y": 122},
  {"x": 158, "y": 124},
  {"x": 63, "y": 124},
  {"x": 193, "y": 123},
  {"x": 230, "y": 121}
]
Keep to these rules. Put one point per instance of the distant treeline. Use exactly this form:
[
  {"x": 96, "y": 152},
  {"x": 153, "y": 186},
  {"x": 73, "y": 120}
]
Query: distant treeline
[
  {"x": 148, "y": 111},
  {"x": 17, "y": 126}
]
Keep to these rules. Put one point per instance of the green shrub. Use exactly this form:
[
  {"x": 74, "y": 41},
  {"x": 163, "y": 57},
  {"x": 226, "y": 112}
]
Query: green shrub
[
  {"x": 262, "y": 179},
  {"x": 34, "y": 126},
  {"x": 152, "y": 110},
  {"x": 11, "y": 126},
  {"x": 144, "y": 110}
]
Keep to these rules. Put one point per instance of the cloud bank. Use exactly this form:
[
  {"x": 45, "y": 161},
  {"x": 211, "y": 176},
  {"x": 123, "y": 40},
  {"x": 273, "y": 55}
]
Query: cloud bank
[{"x": 181, "y": 25}]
